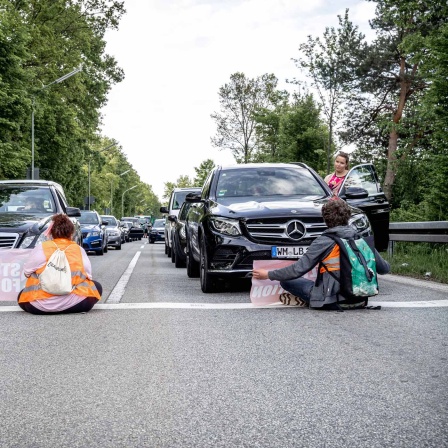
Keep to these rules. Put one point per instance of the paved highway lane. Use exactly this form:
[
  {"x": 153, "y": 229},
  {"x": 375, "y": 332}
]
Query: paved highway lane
[{"x": 195, "y": 377}]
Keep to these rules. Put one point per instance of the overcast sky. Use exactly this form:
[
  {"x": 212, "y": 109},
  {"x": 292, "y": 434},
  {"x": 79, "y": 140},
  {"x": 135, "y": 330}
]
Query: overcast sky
[{"x": 176, "y": 54}]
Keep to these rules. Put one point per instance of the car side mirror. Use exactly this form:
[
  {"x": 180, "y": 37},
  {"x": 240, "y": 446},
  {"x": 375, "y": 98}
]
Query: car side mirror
[
  {"x": 193, "y": 197},
  {"x": 73, "y": 212},
  {"x": 164, "y": 210},
  {"x": 172, "y": 218},
  {"x": 355, "y": 193}
]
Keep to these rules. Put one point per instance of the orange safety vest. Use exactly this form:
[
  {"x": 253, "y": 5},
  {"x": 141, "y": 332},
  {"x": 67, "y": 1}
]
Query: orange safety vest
[
  {"x": 331, "y": 261},
  {"x": 83, "y": 286}
]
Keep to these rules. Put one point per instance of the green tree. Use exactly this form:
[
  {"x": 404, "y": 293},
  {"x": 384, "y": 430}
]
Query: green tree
[
  {"x": 182, "y": 181},
  {"x": 292, "y": 133},
  {"x": 383, "y": 117},
  {"x": 332, "y": 63},
  {"x": 14, "y": 104},
  {"x": 59, "y": 36},
  {"x": 202, "y": 172},
  {"x": 239, "y": 100}
]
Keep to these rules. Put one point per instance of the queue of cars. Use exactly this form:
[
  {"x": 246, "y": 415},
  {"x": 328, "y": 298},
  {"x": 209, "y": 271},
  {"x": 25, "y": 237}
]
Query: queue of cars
[
  {"x": 26, "y": 209},
  {"x": 266, "y": 211}
]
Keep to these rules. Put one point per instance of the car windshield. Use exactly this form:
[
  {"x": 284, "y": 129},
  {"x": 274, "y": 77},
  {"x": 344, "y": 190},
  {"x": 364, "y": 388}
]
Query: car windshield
[
  {"x": 88, "y": 218},
  {"x": 26, "y": 199},
  {"x": 159, "y": 223},
  {"x": 259, "y": 181},
  {"x": 111, "y": 221},
  {"x": 179, "y": 199}
]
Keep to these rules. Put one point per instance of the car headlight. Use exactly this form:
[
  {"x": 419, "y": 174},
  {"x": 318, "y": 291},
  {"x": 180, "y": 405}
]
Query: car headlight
[
  {"x": 359, "y": 222},
  {"x": 226, "y": 226},
  {"x": 28, "y": 241},
  {"x": 93, "y": 234}
]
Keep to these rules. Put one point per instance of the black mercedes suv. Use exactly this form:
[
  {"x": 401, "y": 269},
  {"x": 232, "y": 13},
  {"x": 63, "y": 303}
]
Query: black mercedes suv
[{"x": 267, "y": 211}]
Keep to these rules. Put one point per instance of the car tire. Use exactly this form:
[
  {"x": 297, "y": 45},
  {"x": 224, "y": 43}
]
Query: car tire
[
  {"x": 178, "y": 257},
  {"x": 208, "y": 282},
  {"x": 151, "y": 241},
  {"x": 192, "y": 265},
  {"x": 100, "y": 252},
  {"x": 106, "y": 249},
  {"x": 172, "y": 251},
  {"x": 118, "y": 247}
]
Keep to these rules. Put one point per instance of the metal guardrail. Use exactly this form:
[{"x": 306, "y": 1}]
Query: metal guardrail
[{"x": 418, "y": 232}]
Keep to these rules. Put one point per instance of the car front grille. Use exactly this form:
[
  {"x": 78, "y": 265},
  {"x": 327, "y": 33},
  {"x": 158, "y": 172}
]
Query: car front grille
[
  {"x": 278, "y": 230},
  {"x": 8, "y": 240}
]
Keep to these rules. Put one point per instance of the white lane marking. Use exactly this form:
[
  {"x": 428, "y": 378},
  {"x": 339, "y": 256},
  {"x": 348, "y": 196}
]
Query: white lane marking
[
  {"x": 235, "y": 306},
  {"x": 117, "y": 293},
  {"x": 427, "y": 284}
]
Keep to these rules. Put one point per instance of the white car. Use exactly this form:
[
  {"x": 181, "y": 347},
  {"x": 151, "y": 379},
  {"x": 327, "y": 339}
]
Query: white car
[{"x": 177, "y": 198}]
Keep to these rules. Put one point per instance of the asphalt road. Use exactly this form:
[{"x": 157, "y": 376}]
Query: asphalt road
[{"x": 160, "y": 364}]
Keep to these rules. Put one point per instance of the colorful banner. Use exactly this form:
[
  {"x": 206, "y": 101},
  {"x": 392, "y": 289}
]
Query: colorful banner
[
  {"x": 12, "y": 280},
  {"x": 267, "y": 292}
]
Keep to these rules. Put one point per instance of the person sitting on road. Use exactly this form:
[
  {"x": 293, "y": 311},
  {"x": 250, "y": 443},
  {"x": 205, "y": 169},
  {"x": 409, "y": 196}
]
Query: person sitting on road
[
  {"x": 86, "y": 291},
  {"x": 336, "y": 214}
]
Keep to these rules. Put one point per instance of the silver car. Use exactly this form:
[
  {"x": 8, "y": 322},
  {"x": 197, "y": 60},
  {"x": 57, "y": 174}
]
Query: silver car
[{"x": 113, "y": 231}]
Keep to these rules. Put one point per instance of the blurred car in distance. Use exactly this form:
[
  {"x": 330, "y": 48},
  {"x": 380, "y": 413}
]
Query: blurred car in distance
[
  {"x": 126, "y": 228},
  {"x": 26, "y": 208},
  {"x": 94, "y": 235},
  {"x": 136, "y": 231},
  {"x": 157, "y": 232},
  {"x": 177, "y": 198},
  {"x": 179, "y": 240},
  {"x": 114, "y": 238}
]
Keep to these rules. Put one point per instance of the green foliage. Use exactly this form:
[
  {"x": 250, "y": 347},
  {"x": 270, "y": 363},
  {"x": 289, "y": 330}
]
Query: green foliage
[
  {"x": 183, "y": 181},
  {"x": 15, "y": 114},
  {"x": 240, "y": 100},
  {"x": 383, "y": 117},
  {"x": 292, "y": 133},
  {"x": 422, "y": 260},
  {"x": 202, "y": 172},
  {"x": 332, "y": 63}
]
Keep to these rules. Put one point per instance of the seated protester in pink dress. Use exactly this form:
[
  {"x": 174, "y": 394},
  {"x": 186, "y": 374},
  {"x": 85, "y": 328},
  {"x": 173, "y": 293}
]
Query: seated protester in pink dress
[
  {"x": 341, "y": 165},
  {"x": 85, "y": 293}
]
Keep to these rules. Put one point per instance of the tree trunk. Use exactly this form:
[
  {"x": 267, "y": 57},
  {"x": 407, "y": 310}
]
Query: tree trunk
[
  {"x": 391, "y": 168},
  {"x": 389, "y": 179}
]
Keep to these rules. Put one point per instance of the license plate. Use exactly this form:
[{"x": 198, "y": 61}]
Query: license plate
[{"x": 288, "y": 251}]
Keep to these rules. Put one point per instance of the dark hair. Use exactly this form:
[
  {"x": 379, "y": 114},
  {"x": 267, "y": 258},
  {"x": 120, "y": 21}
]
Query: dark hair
[
  {"x": 62, "y": 227},
  {"x": 336, "y": 212},
  {"x": 345, "y": 156}
]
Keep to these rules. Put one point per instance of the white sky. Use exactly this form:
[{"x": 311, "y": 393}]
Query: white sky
[{"x": 176, "y": 54}]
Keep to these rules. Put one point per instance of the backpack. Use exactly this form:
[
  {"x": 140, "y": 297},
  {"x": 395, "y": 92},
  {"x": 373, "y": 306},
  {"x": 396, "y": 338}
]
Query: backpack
[
  {"x": 56, "y": 278},
  {"x": 357, "y": 277}
]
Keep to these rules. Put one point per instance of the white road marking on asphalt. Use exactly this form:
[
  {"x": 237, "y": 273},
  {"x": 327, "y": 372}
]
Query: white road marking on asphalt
[
  {"x": 427, "y": 284},
  {"x": 234, "y": 306},
  {"x": 117, "y": 293}
]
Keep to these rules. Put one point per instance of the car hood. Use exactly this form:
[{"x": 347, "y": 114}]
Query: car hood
[
  {"x": 21, "y": 222},
  {"x": 249, "y": 208},
  {"x": 90, "y": 227}
]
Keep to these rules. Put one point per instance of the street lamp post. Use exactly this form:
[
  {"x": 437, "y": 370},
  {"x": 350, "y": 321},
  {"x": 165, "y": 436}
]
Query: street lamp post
[
  {"x": 122, "y": 199},
  {"x": 57, "y": 81},
  {"x": 112, "y": 190},
  {"x": 90, "y": 159}
]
